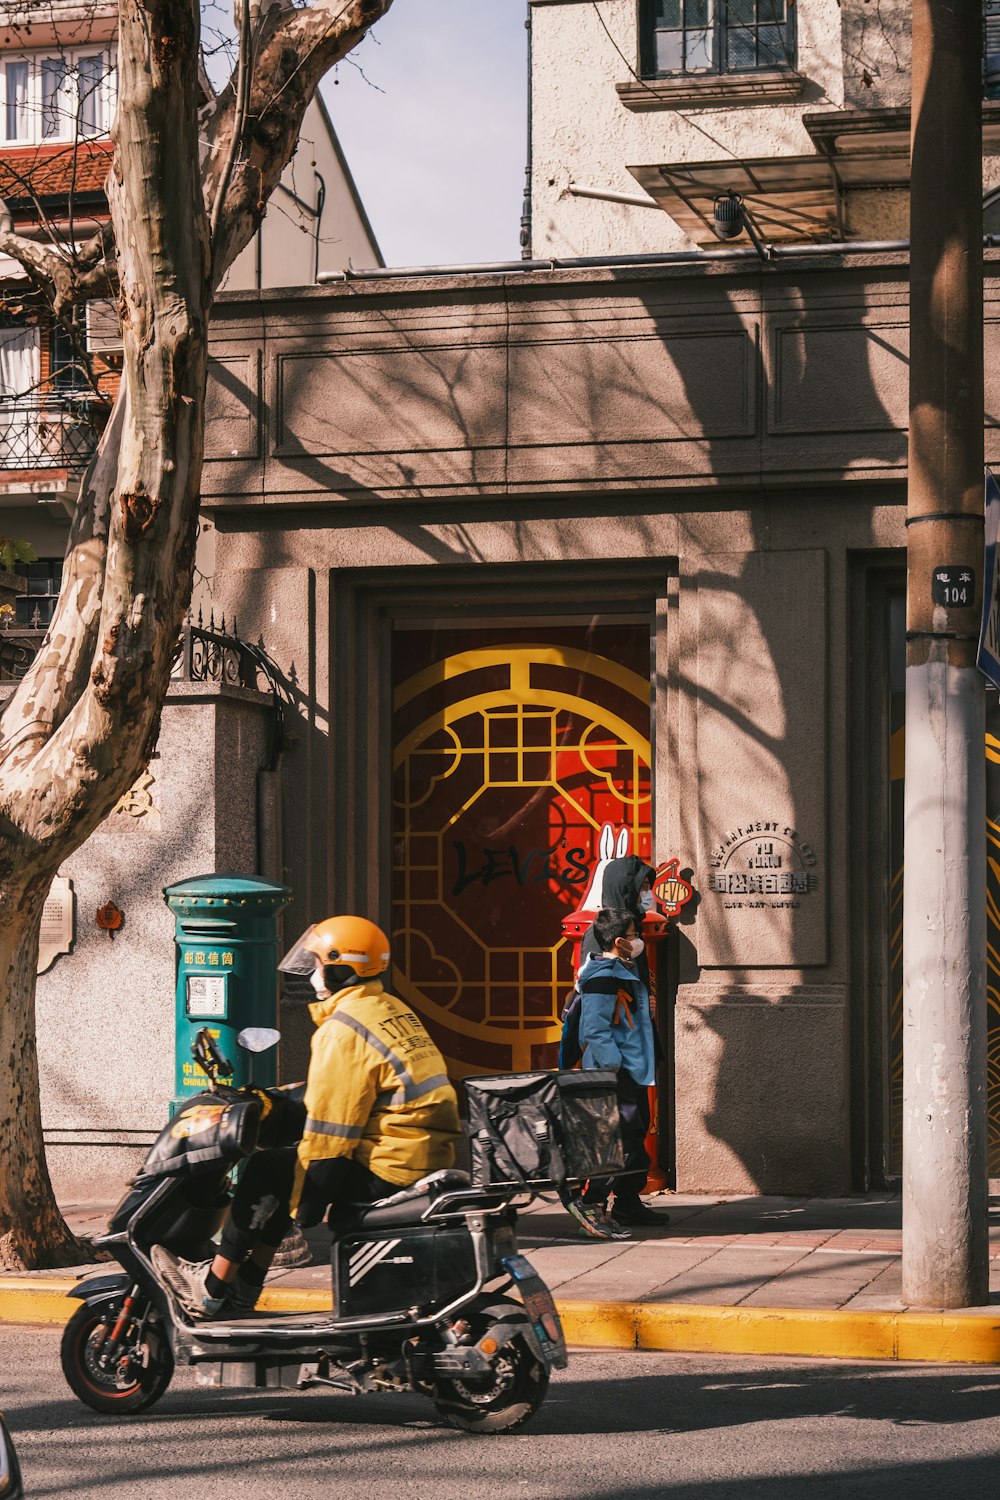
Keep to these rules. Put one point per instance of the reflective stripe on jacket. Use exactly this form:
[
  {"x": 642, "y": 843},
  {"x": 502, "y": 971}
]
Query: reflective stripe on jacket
[{"x": 377, "y": 1088}]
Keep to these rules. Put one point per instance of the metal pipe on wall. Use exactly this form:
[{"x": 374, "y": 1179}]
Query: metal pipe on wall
[
  {"x": 944, "y": 896},
  {"x": 597, "y": 262}
]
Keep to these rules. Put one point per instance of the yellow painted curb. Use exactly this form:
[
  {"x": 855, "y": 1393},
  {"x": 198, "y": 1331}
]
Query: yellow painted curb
[
  {"x": 946, "y": 1338},
  {"x": 25, "y": 1300}
]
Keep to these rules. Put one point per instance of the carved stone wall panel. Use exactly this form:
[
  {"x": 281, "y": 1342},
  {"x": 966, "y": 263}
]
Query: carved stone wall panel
[
  {"x": 412, "y": 399},
  {"x": 761, "y": 756},
  {"x": 762, "y": 1072},
  {"x": 662, "y": 386},
  {"x": 232, "y": 406},
  {"x": 846, "y": 378},
  {"x": 572, "y": 378},
  {"x": 633, "y": 465}
]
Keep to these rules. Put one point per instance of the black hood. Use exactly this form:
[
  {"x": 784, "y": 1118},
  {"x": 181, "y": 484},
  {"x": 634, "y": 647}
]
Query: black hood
[{"x": 623, "y": 880}]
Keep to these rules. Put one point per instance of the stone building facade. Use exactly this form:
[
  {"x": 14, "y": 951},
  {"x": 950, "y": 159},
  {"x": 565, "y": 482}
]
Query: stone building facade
[
  {"x": 539, "y": 552},
  {"x": 535, "y": 553}
]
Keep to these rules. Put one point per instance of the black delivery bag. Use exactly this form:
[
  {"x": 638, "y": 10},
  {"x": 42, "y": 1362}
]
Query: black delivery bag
[{"x": 544, "y": 1129}]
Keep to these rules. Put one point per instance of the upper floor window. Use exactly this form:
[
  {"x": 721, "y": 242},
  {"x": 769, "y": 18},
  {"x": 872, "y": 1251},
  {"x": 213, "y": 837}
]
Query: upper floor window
[
  {"x": 716, "y": 36},
  {"x": 991, "y": 49},
  {"x": 57, "y": 98},
  {"x": 66, "y": 370},
  {"x": 90, "y": 76},
  {"x": 18, "y": 112}
]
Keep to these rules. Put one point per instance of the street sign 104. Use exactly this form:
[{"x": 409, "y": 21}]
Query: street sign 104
[{"x": 953, "y": 586}]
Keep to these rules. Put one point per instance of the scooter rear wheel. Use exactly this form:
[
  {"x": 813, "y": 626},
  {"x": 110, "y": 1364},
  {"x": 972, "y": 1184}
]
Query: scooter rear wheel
[
  {"x": 132, "y": 1382},
  {"x": 520, "y": 1382}
]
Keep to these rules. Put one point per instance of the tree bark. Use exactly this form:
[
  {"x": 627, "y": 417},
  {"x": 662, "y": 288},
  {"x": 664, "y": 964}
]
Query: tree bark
[
  {"x": 32, "y": 1231},
  {"x": 83, "y": 722}
]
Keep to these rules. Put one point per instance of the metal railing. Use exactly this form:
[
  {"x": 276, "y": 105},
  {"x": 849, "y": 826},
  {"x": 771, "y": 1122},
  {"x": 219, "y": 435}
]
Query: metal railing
[
  {"x": 215, "y": 654},
  {"x": 59, "y": 430},
  {"x": 202, "y": 654},
  {"x": 18, "y": 648}
]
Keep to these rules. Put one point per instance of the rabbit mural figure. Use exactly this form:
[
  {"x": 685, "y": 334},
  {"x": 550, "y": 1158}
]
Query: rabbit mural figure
[{"x": 609, "y": 850}]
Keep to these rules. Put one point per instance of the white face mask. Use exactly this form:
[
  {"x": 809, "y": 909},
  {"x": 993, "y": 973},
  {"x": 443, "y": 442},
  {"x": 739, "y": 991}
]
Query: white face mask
[
  {"x": 316, "y": 980},
  {"x": 647, "y": 901},
  {"x": 635, "y": 946}
]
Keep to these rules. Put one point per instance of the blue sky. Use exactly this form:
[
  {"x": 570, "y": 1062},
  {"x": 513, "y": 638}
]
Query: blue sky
[{"x": 439, "y": 155}]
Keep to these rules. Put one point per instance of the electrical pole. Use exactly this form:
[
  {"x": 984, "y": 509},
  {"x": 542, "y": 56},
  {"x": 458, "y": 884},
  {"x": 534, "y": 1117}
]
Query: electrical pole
[{"x": 944, "y": 896}]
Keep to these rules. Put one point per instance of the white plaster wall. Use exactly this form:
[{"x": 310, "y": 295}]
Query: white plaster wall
[
  {"x": 581, "y": 131},
  {"x": 876, "y": 43}
]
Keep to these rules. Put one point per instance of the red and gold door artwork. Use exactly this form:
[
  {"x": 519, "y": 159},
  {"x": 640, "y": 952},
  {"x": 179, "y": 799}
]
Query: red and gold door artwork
[{"x": 511, "y": 748}]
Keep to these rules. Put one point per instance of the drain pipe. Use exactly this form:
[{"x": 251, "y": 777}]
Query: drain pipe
[
  {"x": 526, "y": 204},
  {"x": 318, "y": 211}
]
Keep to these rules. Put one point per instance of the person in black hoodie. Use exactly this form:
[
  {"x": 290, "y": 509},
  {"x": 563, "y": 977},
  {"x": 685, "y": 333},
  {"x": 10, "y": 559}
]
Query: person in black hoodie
[{"x": 628, "y": 886}]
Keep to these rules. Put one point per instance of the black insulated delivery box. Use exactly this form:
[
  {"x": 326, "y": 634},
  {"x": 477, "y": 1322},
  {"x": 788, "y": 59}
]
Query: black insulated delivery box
[{"x": 544, "y": 1129}]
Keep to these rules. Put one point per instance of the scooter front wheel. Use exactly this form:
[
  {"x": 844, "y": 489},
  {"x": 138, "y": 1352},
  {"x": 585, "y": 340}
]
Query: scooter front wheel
[
  {"x": 503, "y": 1404},
  {"x": 131, "y": 1380}
]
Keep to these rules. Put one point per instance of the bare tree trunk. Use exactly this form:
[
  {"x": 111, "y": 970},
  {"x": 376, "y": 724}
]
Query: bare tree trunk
[
  {"x": 32, "y": 1231},
  {"x": 77, "y": 740},
  {"x": 83, "y": 723}
]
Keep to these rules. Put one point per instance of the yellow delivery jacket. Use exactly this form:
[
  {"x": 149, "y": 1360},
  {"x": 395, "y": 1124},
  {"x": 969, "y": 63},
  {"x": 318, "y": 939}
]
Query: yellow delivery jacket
[{"x": 377, "y": 1088}]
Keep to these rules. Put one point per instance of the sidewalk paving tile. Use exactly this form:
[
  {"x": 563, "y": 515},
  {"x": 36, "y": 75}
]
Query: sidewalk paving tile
[
  {"x": 883, "y": 1292},
  {"x": 726, "y": 1278},
  {"x": 633, "y": 1276},
  {"x": 807, "y": 1290}
]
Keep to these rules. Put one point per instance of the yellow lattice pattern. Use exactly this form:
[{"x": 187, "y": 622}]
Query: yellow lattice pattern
[{"x": 513, "y": 736}]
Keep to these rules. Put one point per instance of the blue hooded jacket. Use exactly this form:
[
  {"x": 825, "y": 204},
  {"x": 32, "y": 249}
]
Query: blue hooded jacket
[{"x": 616, "y": 1029}]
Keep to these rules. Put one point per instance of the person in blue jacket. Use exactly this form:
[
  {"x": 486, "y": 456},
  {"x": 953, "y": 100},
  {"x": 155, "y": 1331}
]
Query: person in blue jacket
[{"x": 616, "y": 1033}]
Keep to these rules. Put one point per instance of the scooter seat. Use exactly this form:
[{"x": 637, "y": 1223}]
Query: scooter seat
[{"x": 405, "y": 1207}]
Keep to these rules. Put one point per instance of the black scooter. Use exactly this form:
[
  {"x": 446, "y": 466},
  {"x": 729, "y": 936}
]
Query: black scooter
[{"x": 420, "y": 1282}]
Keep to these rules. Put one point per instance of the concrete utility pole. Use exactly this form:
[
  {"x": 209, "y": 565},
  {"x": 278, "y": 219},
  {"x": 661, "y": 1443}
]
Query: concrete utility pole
[{"x": 944, "y": 898}]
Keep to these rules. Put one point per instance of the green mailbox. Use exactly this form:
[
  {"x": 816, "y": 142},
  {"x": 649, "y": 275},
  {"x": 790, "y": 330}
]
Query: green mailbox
[{"x": 227, "y": 961}]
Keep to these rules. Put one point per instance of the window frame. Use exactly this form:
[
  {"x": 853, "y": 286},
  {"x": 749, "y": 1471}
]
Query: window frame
[
  {"x": 9, "y": 103},
  {"x": 68, "y": 123},
  {"x": 718, "y": 28},
  {"x": 991, "y": 32},
  {"x": 43, "y": 570}
]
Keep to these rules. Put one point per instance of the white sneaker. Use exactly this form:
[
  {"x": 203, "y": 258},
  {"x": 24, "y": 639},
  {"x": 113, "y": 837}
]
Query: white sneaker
[{"x": 186, "y": 1279}]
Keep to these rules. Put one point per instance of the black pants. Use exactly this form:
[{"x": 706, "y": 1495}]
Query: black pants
[
  {"x": 633, "y": 1109},
  {"x": 259, "y": 1212}
]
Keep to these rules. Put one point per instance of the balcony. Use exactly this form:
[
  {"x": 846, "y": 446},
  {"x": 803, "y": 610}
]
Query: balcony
[{"x": 55, "y": 431}]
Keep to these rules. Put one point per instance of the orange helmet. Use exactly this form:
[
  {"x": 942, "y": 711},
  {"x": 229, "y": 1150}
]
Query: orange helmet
[{"x": 340, "y": 940}]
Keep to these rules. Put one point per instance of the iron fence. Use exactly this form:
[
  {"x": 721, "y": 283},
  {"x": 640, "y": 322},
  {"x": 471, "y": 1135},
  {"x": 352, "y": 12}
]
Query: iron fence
[
  {"x": 18, "y": 649},
  {"x": 56, "y": 431},
  {"x": 203, "y": 654}
]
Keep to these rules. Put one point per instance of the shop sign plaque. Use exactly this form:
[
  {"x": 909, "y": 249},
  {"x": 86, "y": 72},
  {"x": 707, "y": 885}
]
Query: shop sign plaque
[{"x": 763, "y": 864}]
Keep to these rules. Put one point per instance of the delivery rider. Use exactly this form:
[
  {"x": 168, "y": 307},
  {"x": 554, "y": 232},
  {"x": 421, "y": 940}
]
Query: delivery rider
[{"x": 380, "y": 1115}]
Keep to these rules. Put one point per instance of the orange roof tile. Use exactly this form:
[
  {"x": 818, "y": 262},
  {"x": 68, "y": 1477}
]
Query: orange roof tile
[{"x": 48, "y": 171}]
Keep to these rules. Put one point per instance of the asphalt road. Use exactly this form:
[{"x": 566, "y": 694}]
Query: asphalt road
[{"x": 687, "y": 1427}]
